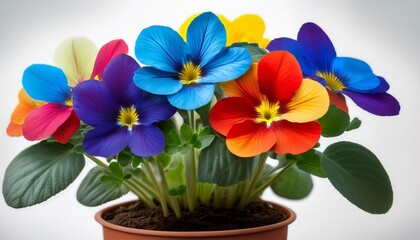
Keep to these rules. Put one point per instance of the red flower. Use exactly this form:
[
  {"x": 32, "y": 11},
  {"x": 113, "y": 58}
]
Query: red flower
[{"x": 270, "y": 108}]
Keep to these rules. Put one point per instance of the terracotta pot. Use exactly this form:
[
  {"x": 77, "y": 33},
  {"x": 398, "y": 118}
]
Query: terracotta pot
[{"x": 277, "y": 231}]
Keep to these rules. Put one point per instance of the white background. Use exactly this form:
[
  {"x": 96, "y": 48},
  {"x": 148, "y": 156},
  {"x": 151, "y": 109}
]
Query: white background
[{"x": 386, "y": 34}]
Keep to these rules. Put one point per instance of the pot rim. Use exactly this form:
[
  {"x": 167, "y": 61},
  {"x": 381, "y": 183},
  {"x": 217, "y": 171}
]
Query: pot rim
[{"x": 98, "y": 217}]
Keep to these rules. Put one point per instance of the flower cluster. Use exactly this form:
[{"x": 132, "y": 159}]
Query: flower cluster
[{"x": 215, "y": 96}]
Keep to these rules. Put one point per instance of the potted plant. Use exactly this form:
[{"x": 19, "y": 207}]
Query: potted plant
[{"x": 213, "y": 117}]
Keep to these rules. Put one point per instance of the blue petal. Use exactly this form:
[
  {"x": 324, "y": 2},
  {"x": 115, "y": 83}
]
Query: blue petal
[
  {"x": 162, "y": 48},
  {"x": 320, "y": 49},
  {"x": 94, "y": 104},
  {"x": 381, "y": 88},
  {"x": 206, "y": 36},
  {"x": 300, "y": 53},
  {"x": 146, "y": 141},
  {"x": 106, "y": 141},
  {"x": 152, "y": 108},
  {"x": 118, "y": 78},
  {"x": 46, "y": 83},
  {"x": 356, "y": 75},
  {"x": 192, "y": 96},
  {"x": 381, "y": 104},
  {"x": 156, "y": 81},
  {"x": 229, "y": 64}
]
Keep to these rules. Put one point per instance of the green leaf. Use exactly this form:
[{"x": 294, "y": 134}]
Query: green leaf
[
  {"x": 310, "y": 162},
  {"x": 293, "y": 184},
  {"x": 186, "y": 132},
  {"x": 354, "y": 124},
  {"x": 174, "y": 173},
  {"x": 197, "y": 145},
  {"x": 164, "y": 158},
  {"x": 217, "y": 165},
  {"x": 39, "y": 172},
  {"x": 178, "y": 191},
  {"x": 98, "y": 188},
  {"x": 173, "y": 139},
  {"x": 127, "y": 176},
  {"x": 124, "y": 158},
  {"x": 193, "y": 139},
  {"x": 136, "y": 161},
  {"x": 205, "y": 136},
  {"x": 116, "y": 169},
  {"x": 334, "y": 122},
  {"x": 359, "y": 176},
  {"x": 256, "y": 52},
  {"x": 79, "y": 149}
]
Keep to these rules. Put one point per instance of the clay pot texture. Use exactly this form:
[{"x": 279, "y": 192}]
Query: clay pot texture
[{"x": 277, "y": 231}]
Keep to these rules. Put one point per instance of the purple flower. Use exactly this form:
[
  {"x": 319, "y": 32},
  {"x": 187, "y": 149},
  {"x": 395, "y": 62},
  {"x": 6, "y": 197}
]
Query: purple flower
[
  {"x": 341, "y": 75},
  {"x": 120, "y": 113}
]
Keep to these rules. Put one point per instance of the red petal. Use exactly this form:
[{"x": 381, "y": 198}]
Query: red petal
[
  {"x": 67, "y": 129},
  {"x": 105, "y": 54},
  {"x": 230, "y": 111},
  {"x": 249, "y": 139},
  {"x": 279, "y": 76},
  {"x": 44, "y": 121},
  {"x": 338, "y": 100},
  {"x": 296, "y": 138}
]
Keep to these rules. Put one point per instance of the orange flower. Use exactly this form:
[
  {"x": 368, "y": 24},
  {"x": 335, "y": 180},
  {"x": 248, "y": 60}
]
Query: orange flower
[{"x": 25, "y": 105}]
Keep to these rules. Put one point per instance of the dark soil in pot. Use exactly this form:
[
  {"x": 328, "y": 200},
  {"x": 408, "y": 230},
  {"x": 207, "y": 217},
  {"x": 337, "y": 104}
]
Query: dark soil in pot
[{"x": 140, "y": 216}]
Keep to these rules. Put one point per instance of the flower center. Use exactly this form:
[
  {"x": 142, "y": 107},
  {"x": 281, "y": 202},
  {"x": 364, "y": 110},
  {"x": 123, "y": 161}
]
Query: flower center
[
  {"x": 128, "y": 117},
  {"x": 268, "y": 112},
  {"x": 69, "y": 102},
  {"x": 190, "y": 73},
  {"x": 332, "y": 81}
]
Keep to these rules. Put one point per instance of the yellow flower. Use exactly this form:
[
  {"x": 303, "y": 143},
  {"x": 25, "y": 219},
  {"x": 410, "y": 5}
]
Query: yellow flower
[{"x": 246, "y": 28}]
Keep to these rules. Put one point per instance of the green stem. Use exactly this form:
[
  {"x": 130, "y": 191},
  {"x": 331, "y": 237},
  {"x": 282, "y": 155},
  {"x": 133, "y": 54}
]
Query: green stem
[
  {"x": 140, "y": 194},
  {"x": 218, "y": 197},
  {"x": 268, "y": 183},
  {"x": 147, "y": 188},
  {"x": 231, "y": 196},
  {"x": 204, "y": 193},
  {"x": 162, "y": 198},
  {"x": 173, "y": 202},
  {"x": 133, "y": 187},
  {"x": 97, "y": 161},
  {"x": 246, "y": 197},
  {"x": 190, "y": 169}
]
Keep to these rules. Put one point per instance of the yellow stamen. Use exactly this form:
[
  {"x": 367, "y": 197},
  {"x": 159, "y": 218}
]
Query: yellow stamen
[
  {"x": 268, "y": 112},
  {"x": 128, "y": 117},
  {"x": 69, "y": 102},
  {"x": 96, "y": 77},
  {"x": 332, "y": 81},
  {"x": 190, "y": 73}
]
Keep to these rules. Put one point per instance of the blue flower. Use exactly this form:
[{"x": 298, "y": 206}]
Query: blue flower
[
  {"x": 120, "y": 113},
  {"x": 186, "y": 71},
  {"x": 341, "y": 75}
]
